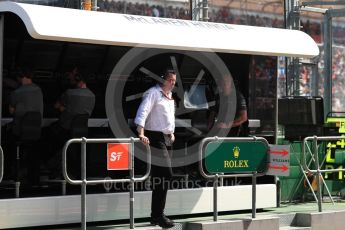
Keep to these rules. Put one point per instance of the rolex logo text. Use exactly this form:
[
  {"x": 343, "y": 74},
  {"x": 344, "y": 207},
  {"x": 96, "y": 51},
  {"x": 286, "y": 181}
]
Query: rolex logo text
[{"x": 236, "y": 163}]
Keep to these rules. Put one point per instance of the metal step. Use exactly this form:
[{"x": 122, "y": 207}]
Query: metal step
[
  {"x": 321, "y": 220},
  {"x": 286, "y": 219},
  {"x": 294, "y": 228},
  {"x": 260, "y": 223}
]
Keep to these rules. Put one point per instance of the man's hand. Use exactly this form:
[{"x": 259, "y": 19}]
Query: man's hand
[
  {"x": 59, "y": 106},
  {"x": 145, "y": 140}
]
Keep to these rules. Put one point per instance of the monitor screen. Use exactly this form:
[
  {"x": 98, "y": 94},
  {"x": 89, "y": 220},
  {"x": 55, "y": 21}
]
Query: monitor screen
[
  {"x": 301, "y": 111},
  {"x": 195, "y": 97}
]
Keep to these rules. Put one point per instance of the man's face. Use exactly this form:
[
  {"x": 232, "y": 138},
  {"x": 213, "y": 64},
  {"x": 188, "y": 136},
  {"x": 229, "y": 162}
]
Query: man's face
[
  {"x": 170, "y": 82},
  {"x": 226, "y": 85}
]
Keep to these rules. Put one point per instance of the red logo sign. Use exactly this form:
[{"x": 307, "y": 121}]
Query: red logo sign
[{"x": 118, "y": 156}]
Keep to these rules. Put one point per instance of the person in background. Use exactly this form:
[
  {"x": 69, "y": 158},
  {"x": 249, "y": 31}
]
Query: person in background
[
  {"x": 76, "y": 100},
  {"x": 227, "y": 126},
  {"x": 28, "y": 97}
]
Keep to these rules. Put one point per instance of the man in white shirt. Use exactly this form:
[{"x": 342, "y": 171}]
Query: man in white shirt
[{"x": 155, "y": 122}]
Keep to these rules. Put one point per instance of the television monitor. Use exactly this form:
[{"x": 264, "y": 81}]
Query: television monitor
[
  {"x": 195, "y": 97},
  {"x": 301, "y": 111}
]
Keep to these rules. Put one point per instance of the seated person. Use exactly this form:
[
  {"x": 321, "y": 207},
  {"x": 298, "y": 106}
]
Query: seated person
[
  {"x": 74, "y": 101},
  {"x": 27, "y": 98}
]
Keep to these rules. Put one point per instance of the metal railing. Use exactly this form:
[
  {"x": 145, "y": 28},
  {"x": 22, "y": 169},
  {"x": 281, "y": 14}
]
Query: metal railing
[
  {"x": 318, "y": 171},
  {"x": 305, "y": 177},
  {"x": 1, "y": 164},
  {"x": 83, "y": 182},
  {"x": 217, "y": 176}
]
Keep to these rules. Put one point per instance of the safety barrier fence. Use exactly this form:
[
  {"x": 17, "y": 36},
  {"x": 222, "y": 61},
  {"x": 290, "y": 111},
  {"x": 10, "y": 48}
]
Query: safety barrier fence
[
  {"x": 216, "y": 176},
  {"x": 1, "y": 164},
  {"x": 305, "y": 176},
  {"x": 84, "y": 182},
  {"x": 315, "y": 154}
]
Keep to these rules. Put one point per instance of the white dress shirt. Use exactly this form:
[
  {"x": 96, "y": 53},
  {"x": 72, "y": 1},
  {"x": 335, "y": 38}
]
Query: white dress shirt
[{"x": 156, "y": 111}]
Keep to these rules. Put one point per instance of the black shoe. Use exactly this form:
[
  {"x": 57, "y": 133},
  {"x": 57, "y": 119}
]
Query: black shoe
[{"x": 162, "y": 221}]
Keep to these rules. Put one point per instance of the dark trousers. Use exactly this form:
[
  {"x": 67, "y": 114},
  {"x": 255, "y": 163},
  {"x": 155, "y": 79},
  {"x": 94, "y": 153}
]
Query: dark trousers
[{"x": 161, "y": 171}]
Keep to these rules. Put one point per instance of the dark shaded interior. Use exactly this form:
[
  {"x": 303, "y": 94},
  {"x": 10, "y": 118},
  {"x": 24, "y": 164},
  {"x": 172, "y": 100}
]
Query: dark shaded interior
[{"x": 50, "y": 60}]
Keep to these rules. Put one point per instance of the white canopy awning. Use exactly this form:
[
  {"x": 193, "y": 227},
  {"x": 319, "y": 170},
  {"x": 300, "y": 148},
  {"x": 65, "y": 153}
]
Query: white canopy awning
[{"x": 61, "y": 24}]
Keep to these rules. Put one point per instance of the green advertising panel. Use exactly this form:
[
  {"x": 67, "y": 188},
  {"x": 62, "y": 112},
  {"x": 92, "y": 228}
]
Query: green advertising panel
[{"x": 231, "y": 157}]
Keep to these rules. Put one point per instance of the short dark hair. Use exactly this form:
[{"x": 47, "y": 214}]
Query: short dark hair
[
  {"x": 168, "y": 72},
  {"x": 25, "y": 72}
]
